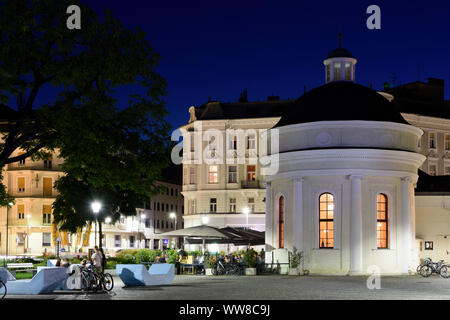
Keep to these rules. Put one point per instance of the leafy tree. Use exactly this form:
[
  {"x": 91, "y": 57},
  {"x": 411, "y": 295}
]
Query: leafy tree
[{"x": 112, "y": 153}]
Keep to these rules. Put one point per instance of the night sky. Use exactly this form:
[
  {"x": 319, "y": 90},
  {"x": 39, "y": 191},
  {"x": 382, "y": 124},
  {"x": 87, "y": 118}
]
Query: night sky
[{"x": 218, "y": 48}]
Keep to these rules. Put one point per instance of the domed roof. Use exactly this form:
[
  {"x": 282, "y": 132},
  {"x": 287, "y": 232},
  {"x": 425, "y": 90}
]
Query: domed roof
[
  {"x": 341, "y": 101},
  {"x": 340, "y": 53}
]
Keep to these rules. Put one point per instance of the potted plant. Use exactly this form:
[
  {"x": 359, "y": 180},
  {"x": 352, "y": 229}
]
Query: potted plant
[
  {"x": 250, "y": 260},
  {"x": 210, "y": 264},
  {"x": 294, "y": 262}
]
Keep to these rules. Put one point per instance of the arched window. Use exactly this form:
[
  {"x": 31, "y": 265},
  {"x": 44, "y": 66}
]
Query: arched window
[
  {"x": 281, "y": 222},
  {"x": 326, "y": 221},
  {"x": 382, "y": 221}
]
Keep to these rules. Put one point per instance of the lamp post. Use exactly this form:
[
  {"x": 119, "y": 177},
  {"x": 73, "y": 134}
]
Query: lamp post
[
  {"x": 7, "y": 231},
  {"x": 173, "y": 216},
  {"x": 246, "y": 211},
  {"x": 28, "y": 232},
  {"x": 96, "y": 206},
  {"x": 142, "y": 216}
]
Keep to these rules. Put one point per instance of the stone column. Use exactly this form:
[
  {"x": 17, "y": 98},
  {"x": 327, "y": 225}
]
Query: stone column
[
  {"x": 298, "y": 213},
  {"x": 406, "y": 225},
  {"x": 269, "y": 217},
  {"x": 356, "y": 239}
]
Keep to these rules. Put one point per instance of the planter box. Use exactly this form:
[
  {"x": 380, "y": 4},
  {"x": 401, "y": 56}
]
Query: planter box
[
  {"x": 293, "y": 272},
  {"x": 250, "y": 271},
  {"x": 208, "y": 272}
]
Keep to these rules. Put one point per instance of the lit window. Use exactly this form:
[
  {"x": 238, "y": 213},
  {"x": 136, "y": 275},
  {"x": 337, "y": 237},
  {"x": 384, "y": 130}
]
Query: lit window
[
  {"x": 281, "y": 222},
  {"x": 232, "y": 174},
  {"x": 251, "y": 173},
  {"x": 21, "y": 211},
  {"x": 21, "y": 184},
  {"x": 432, "y": 140},
  {"x": 213, "y": 175},
  {"x": 326, "y": 221},
  {"x": 447, "y": 141},
  {"x": 47, "y": 187},
  {"x": 447, "y": 171},
  {"x": 337, "y": 71},
  {"x": 46, "y": 214},
  {"x": 382, "y": 221},
  {"x": 348, "y": 71}
]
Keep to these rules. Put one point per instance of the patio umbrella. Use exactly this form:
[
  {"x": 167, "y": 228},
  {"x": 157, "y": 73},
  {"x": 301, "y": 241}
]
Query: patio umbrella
[{"x": 203, "y": 232}]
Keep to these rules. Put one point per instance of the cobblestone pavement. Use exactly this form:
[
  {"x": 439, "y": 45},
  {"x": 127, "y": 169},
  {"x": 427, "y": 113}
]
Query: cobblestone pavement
[{"x": 268, "y": 287}]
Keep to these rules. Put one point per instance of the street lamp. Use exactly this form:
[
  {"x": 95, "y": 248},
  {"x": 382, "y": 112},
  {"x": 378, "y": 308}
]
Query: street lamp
[
  {"x": 7, "y": 230},
  {"x": 96, "y": 206},
  {"x": 246, "y": 211},
  {"x": 28, "y": 232},
  {"x": 142, "y": 216},
  {"x": 173, "y": 215}
]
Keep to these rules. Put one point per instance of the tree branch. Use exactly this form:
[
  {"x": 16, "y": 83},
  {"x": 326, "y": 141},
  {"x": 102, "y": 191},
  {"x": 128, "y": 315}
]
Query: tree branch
[{"x": 26, "y": 154}]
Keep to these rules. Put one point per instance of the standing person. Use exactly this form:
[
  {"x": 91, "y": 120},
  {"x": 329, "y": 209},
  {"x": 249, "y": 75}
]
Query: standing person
[
  {"x": 103, "y": 259},
  {"x": 97, "y": 259},
  {"x": 58, "y": 262}
]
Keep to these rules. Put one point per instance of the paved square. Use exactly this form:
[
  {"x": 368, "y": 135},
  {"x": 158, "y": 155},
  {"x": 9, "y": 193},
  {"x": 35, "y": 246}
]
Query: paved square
[{"x": 269, "y": 287}]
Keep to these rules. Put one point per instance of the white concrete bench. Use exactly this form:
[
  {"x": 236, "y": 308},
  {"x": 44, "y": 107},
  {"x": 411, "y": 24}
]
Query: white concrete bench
[
  {"x": 45, "y": 281},
  {"x": 137, "y": 275}
]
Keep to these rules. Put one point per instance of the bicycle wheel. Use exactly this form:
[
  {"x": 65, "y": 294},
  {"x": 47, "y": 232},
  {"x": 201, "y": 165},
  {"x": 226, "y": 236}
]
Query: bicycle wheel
[
  {"x": 85, "y": 283},
  {"x": 95, "y": 283},
  {"x": 108, "y": 282},
  {"x": 444, "y": 272},
  {"x": 2, "y": 290},
  {"x": 426, "y": 271}
]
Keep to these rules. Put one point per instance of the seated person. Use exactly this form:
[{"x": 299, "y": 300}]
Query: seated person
[
  {"x": 58, "y": 262},
  {"x": 163, "y": 259},
  {"x": 66, "y": 263}
]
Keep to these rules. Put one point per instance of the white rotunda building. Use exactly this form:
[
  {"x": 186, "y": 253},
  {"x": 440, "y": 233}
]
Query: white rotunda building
[{"x": 344, "y": 191}]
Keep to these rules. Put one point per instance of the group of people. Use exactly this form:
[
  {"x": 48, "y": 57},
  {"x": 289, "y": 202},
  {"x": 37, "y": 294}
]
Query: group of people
[{"x": 98, "y": 260}]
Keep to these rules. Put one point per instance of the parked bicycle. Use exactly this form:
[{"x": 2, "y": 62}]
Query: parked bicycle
[
  {"x": 231, "y": 268},
  {"x": 94, "y": 280},
  {"x": 105, "y": 280},
  {"x": 431, "y": 267},
  {"x": 424, "y": 262},
  {"x": 89, "y": 280}
]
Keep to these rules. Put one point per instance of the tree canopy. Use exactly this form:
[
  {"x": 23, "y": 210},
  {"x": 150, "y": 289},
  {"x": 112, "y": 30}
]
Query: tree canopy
[{"x": 111, "y": 151}]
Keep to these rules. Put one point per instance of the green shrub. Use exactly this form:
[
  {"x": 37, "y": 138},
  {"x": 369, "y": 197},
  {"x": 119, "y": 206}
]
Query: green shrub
[
  {"x": 210, "y": 262},
  {"x": 195, "y": 253},
  {"x": 294, "y": 258},
  {"x": 250, "y": 258},
  {"x": 145, "y": 255}
]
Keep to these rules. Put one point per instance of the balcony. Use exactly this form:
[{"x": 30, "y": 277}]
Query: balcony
[{"x": 257, "y": 184}]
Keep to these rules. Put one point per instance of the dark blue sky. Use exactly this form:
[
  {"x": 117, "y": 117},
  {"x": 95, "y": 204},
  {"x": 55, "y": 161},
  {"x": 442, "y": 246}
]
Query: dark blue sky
[{"x": 218, "y": 48}]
